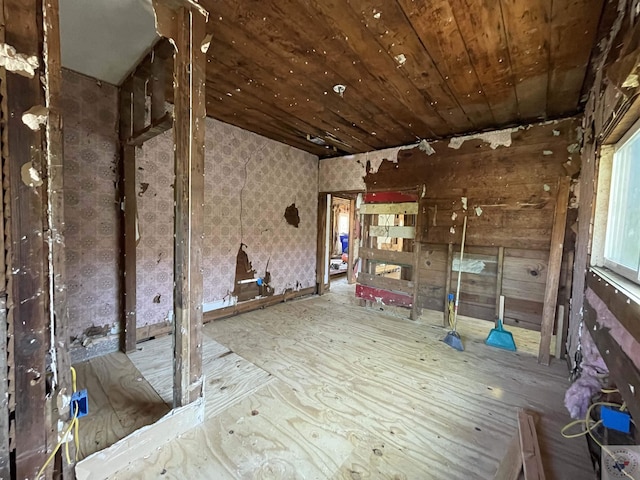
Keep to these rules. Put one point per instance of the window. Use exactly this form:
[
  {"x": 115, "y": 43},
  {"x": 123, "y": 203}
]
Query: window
[{"x": 622, "y": 245}]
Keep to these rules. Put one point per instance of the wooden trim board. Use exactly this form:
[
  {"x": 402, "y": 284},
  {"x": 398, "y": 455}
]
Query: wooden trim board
[
  {"x": 406, "y": 208},
  {"x": 624, "y": 307},
  {"x": 530, "y": 448},
  {"x": 374, "y": 295},
  {"x": 511, "y": 464},
  {"x": 622, "y": 370},
  {"x": 386, "y": 283},
  {"x": 387, "y": 197},
  {"x": 159, "y": 329},
  {"x": 392, "y": 231},
  {"x": 387, "y": 256},
  {"x": 143, "y": 442},
  {"x": 553, "y": 273}
]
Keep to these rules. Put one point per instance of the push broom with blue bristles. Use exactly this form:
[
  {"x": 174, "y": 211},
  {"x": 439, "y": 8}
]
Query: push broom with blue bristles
[
  {"x": 499, "y": 337},
  {"x": 453, "y": 337}
]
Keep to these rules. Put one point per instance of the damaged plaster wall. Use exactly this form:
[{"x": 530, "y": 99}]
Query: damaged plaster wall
[
  {"x": 91, "y": 207},
  {"x": 249, "y": 182}
]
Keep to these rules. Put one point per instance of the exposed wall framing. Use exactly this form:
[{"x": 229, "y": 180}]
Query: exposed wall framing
[
  {"x": 39, "y": 376},
  {"x": 138, "y": 124}
]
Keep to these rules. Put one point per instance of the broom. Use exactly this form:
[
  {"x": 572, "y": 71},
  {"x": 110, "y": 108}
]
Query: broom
[{"x": 453, "y": 338}]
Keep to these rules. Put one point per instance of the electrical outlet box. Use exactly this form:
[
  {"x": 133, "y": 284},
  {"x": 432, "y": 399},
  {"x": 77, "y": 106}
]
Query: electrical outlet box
[
  {"x": 615, "y": 419},
  {"x": 79, "y": 403}
]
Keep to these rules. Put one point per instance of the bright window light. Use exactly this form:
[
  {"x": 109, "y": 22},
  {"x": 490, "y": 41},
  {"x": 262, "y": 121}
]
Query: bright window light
[{"x": 622, "y": 246}]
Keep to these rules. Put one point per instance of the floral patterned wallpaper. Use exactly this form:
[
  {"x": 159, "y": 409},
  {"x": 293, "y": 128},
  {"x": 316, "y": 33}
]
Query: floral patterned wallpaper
[
  {"x": 249, "y": 182},
  {"x": 92, "y": 229}
]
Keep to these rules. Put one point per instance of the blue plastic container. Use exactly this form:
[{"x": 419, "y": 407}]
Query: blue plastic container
[{"x": 344, "y": 239}]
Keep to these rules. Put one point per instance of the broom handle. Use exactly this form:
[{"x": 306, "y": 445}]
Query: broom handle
[{"x": 455, "y": 311}]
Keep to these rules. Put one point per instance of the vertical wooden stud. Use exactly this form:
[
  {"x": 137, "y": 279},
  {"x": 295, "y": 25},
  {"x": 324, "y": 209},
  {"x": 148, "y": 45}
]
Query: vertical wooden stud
[
  {"x": 55, "y": 243},
  {"x": 27, "y": 157},
  {"x": 321, "y": 264},
  {"x": 188, "y": 128},
  {"x": 139, "y": 104},
  {"x": 352, "y": 243},
  {"x": 5, "y": 467},
  {"x": 553, "y": 274},
  {"x": 128, "y": 158},
  {"x": 157, "y": 86},
  {"x": 416, "y": 311}
]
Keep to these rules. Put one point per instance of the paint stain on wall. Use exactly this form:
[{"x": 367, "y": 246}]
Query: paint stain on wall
[{"x": 292, "y": 216}]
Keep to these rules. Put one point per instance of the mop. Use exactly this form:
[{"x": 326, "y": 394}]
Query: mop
[
  {"x": 499, "y": 337},
  {"x": 453, "y": 339}
]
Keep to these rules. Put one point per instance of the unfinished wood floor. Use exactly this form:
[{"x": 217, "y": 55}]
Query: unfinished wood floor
[
  {"x": 121, "y": 401},
  {"x": 358, "y": 393}
]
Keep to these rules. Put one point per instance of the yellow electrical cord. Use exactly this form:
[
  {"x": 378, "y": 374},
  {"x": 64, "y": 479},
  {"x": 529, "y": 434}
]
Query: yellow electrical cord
[
  {"x": 589, "y": 425},
  {"x": 73, "y": 424}
]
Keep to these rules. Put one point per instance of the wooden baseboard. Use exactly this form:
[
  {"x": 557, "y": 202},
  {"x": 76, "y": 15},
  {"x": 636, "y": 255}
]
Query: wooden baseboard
[
  {"x": 244, "y": 307},
  {"x": 165, "y": 328}
]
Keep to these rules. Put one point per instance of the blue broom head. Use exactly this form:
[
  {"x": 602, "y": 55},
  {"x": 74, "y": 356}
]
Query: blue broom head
[
  {"x": 453, "y": 340},
  {"x": 501, "y": 338}
]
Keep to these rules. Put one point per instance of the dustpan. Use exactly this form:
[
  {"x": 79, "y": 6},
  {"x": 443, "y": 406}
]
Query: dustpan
[{"x": 499, "y": 337}]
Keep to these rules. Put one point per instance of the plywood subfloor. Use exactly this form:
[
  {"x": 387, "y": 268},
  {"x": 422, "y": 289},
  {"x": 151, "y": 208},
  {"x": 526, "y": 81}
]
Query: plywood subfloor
[
  {"x": 228, "y": 377},
  {"x": 363, "y": 394},
  {"x": 120, "y": 401}
]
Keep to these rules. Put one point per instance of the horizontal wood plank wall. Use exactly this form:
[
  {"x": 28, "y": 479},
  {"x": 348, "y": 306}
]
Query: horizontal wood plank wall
[
  {"x": 524, "y": 276},
  {"x": 510, "y": 190},
  {"x": 478, "y": 283},
  {"x": 510, "y": 196},
  {"x": 433, "y": 276},
  {"x": 523, "y": 282}
]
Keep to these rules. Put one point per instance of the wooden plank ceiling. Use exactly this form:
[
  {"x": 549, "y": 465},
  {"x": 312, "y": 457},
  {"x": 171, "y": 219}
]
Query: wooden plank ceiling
[{"x": 412, "y": 69}]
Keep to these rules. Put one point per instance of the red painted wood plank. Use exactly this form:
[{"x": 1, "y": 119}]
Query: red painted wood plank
[
  {"x": 390, "y": 197},
  {"x": 388, "y": 298}
]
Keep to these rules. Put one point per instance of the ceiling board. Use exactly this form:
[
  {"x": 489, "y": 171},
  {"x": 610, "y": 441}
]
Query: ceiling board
[{"x": 412, "y": 70}]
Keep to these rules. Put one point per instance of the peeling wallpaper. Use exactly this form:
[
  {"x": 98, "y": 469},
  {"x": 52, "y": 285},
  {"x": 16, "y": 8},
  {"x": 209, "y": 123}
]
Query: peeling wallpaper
[
  {"x": 249, "y": 182},
  {"x": 92, "y": 229},
  {"x": 346, "y": 174}
]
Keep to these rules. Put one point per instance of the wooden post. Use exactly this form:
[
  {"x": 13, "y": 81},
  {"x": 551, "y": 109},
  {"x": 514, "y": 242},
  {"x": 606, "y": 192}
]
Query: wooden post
[
  {"x": 59, "y": 319},
  {"x": 352, "y": 246},
  {"x": 5, "y": 467},
  {"x": 29, "y": 295},
  {"x": 447, "y": 285},
  {"x": 416, "y": 311},
  {"x": 6, "y": 365},
  {"x": 321, "y": 263},
  {"x": 128, "y": 158},
  {"x": 499, "y": 281},
  {"x": 553, "y": 274},
  {"x": 129, "y": 216},
  {"x": 188, "y": 129}
]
